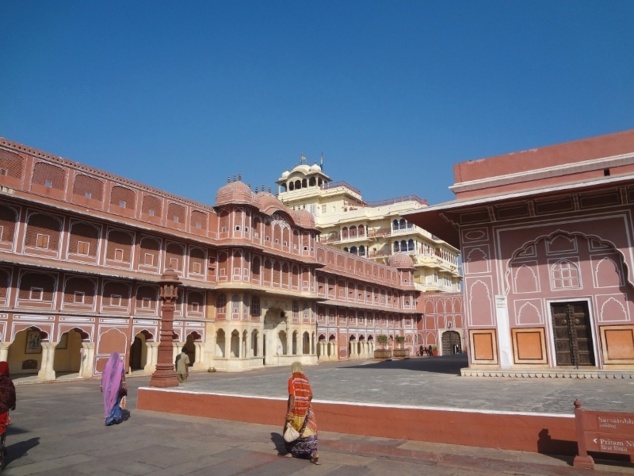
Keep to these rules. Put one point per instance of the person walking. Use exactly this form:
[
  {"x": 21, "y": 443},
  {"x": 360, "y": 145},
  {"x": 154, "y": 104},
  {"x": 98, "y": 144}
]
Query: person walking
[
  {"x": 182, "y": 366},
  {"x": 301, "y": 417},
  {"x": 114, "y": 389},
  {"x": 7, "y": 402}
]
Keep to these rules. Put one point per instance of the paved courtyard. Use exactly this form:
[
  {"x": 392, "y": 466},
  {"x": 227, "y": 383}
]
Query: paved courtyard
[{"x": 58, "y": 427}]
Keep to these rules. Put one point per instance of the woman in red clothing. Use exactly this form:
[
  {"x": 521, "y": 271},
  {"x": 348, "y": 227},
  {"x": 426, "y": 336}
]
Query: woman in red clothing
[
  {"x": 301, "y": 416},
  {"x": 7, "y": 402}
]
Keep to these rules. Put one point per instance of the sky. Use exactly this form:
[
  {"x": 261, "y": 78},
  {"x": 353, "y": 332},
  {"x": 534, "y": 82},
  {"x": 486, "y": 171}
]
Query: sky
[{"x": 181, "y": 95}]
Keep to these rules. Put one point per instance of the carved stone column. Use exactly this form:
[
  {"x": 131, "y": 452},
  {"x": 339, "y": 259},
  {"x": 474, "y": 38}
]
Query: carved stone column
[
  {"x": 48, "y": 359},
  {"x": 165, "y": 376}
]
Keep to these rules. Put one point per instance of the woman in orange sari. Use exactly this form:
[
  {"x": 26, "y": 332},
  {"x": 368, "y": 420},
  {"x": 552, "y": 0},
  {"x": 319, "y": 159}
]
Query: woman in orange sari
[{"x": 301, "y": 416}]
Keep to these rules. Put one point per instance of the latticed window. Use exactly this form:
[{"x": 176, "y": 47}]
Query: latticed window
[
  {"x": 49, "y": 175},
  {"x": 11, "y": 164},
  {"x": 37, "y": 286},
  {"x": 122, "y": 197},
  {"x": 565, "y": 274},
  {"x": 255, "y": 306},
  {"x": 176, "y": 213},
  {"x": 79, "y": 288},
  {"x": 84, "y": 239},
  {"x": 40, "y": 225},
  {"x": 235, "y": 304},
  {"x": 152, "y": 206},
  {"x": 295, "y": 309},
  {"x": 8, "y": 219},
  {"x": 199, "y": 220},
  {"x": 88, "y": 187},
  {"x": 221, "y": 303}
]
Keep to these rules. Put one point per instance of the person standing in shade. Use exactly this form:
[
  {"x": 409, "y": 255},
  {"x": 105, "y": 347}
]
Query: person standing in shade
[
  {"x": 182, "y": 366},
  {"x": 7, "y": 402}
]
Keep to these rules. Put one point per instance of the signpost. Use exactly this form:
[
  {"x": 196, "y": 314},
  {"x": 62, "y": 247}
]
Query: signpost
[{"x": 602, "y": 432}]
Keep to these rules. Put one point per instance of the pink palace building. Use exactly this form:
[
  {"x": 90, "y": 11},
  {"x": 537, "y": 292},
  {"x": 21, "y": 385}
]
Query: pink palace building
[
  {"x": 546, "y": 237},
  {"x": 82, "y": 253}
]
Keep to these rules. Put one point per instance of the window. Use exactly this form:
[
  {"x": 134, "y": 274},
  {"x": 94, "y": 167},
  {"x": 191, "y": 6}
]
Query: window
[
  {"x": 255, "y": 306},
  {"x": 174, "y": 263},
  {"x": 122, "y": 203},
  {"x": 146, "y": 303},
  {"x": 195, "y": 307},
  {"x": 115, "y": 300},
  {"x": 36, "y": 294},
  {"x": 150, "y": 212},
  {"x": 88, "y": 195},
  {"x": 197, "y": 225},
  {"x": 79, "y": 297},
  {"x": 175, "y": 219},
  {"x": 196, "y": 268},
  {"x": 48, "y": 184},
  {"x": 148, "y": 259},
  {"x": 41, "y": 241},
  {"x": 565, "y": 275},
  {"x": 118, "y": 254},
  {"x": 83, "y": 248}
]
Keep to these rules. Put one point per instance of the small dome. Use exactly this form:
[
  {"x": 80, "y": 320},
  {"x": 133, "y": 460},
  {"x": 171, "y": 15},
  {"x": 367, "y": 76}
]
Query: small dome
[
  {"x": 400, "y": 260},
  {"x": 234, "y": 192},
  {"x": 302, "y": 168},
  {"x": 304, "y": 218},
  {"x": 266, "y": 201},
  {"x": 285, "y": 174},
  {"x": 315, "y": 168}
]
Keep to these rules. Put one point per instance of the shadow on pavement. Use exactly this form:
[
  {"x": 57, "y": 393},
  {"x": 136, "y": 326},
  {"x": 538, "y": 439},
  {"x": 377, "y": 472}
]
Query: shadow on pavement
[
  {"x": 446, "y": 364},
  {"x": 17, "y": 450}
]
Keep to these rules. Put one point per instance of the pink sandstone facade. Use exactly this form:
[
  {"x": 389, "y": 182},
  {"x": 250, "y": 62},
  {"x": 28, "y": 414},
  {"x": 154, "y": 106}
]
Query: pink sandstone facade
[
  {"x": 82, "y": 252},
  {"x": 546, "y": 237}
]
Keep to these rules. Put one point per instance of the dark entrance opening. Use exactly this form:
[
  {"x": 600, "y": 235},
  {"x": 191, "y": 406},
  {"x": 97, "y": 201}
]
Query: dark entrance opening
[
  {"x": 573, "y": 334},
  {"x": 451, "y": 343}
]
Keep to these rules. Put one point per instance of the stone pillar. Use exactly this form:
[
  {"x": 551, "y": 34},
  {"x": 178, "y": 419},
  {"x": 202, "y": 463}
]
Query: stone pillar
[
  {"x": 152, "y": 355},
  {"x": 87, "y": 359},
  {"x": 199, "y": 363},
  {"x": 4, "y": 351},
  {"x": 165, "y": 376},
  {"x": 176, "y": 349},
  {"x": 48, "y": 359}
]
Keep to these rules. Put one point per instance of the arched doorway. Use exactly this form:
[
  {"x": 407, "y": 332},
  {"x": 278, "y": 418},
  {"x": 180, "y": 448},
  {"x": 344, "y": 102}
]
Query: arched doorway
[
  {"x": 68, "y": 353},
  {"x": 274, "y": 344},
  {"x": 451, "y": 343},
  {"x": 138, "y": 351},
  {"x": 25, "y": 352}
]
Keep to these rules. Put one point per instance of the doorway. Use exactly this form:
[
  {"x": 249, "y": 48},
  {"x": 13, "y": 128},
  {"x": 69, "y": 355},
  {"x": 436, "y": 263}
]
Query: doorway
[
  {"x": 572, "y": 333},
  {"x": 451, "y": 343}
]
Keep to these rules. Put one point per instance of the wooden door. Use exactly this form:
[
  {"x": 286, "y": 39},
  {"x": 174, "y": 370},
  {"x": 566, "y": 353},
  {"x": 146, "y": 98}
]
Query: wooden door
[{"x": 572, "y": 334}]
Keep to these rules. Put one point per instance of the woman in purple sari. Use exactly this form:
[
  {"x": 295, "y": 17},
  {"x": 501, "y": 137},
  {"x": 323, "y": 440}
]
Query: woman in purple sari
[{"x": 114, "y": 388}]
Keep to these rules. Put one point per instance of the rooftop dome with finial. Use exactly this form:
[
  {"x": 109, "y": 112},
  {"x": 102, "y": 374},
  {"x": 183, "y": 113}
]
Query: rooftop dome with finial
[
  {"x": 400, "y": 260},
  {"x": 235, "y": 192}
]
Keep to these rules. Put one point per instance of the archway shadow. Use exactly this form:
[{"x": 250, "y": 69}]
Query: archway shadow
[
  {"x": 446, "y": 364},
  {"x": 16, "y": 451}
]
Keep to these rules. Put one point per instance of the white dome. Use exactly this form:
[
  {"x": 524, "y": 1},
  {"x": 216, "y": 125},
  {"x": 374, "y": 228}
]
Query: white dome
[
  {"x": 315, "y": 168},
  {"x": 285, "y": 174}
]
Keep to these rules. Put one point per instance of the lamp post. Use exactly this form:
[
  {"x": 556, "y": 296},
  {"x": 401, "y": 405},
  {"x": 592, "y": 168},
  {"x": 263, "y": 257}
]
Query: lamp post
[{"x": 164, "y": 375}]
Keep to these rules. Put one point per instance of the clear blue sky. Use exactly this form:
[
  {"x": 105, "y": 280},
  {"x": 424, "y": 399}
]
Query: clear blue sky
[{"x": 180, "y": 95}]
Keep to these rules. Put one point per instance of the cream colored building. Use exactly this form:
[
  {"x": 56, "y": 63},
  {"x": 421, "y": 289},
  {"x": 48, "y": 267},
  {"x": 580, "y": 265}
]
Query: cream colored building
[{"x": 375, "y": 230}]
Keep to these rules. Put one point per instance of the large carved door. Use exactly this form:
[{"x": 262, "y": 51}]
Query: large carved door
[
  {"x": 451, "y": 343},
  {"x": 573, "y": 334}
]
